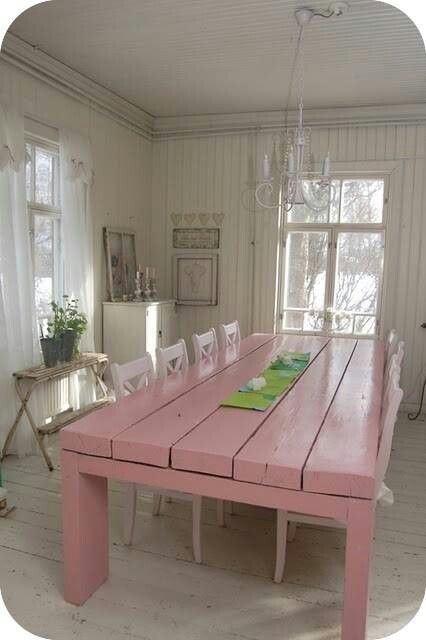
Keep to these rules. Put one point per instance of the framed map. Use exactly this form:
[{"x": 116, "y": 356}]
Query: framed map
[
  {"x": 195, "y": 279},
  {"x": 196, "y": 238}
]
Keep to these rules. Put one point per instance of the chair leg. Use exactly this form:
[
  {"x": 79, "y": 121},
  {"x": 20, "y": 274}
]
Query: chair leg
[
  {"x": 231, "y": 508},
  {"x": 282, "y": 524},
  {"x": 291, "y": 533},
  {"x": 220, "y": 505},
  {"x": 196, "y": 527},
  {"x": 130, "y": 497},
  {"x": 156, "y": 504}
]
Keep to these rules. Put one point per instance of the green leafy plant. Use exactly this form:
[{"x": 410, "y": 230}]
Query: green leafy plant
[{"x": 67, "y": 318}]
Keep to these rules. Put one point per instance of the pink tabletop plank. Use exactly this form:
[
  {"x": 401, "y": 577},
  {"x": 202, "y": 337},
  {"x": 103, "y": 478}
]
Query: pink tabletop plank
[
  {"x": 150, "y": 440},
  {"x": 343, "y": 459},
  {"x": 211, "y": 447},
  {"x": 277, "y": 453},
  {"x": 93, "y": 433}
]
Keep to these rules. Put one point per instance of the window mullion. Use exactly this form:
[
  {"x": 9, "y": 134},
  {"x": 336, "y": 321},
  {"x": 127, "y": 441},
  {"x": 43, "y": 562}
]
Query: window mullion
[{"x": 331, "y": 275}]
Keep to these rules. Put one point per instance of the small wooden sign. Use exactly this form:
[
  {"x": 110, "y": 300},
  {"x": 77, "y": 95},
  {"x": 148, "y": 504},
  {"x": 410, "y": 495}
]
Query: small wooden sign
[{"x": 196, "y": 238}]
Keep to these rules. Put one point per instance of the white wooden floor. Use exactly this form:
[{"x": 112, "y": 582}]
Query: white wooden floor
[{"x": 156, "y": 592}]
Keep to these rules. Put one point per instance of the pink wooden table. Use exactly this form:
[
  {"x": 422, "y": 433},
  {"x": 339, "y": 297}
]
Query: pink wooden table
[{"x": 313, "y": 452}]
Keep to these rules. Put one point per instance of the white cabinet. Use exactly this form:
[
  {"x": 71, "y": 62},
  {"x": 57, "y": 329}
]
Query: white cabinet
[{"x": 132, "y": 328}]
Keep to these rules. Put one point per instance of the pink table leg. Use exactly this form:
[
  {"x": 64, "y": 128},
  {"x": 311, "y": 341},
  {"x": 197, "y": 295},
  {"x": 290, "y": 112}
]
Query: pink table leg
[
  {"x": 85, "y": 530},
  {"x": 359, "y": 544}
]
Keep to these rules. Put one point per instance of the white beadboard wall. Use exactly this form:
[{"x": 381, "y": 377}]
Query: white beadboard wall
[
  {"x": 208, "y": 173},
  {"x": 122, "y": 159}
]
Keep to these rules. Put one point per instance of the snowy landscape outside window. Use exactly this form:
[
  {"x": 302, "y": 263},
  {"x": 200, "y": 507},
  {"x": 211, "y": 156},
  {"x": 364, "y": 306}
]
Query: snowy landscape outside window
[{"x": 332, "y": 266}]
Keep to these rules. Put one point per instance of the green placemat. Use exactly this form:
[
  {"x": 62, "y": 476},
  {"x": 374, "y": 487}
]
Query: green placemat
[{"x": 279, "y": 376}]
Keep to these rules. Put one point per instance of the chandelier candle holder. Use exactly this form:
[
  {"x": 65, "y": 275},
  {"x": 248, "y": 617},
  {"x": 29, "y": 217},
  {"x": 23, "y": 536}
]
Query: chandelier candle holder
[{"x": 292, "y": 180}]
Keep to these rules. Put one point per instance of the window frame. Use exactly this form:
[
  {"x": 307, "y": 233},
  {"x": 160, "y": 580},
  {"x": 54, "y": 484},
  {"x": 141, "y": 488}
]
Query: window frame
[
  {"x": 333, "y": 229},
  {"x": 50, "y": 212}
]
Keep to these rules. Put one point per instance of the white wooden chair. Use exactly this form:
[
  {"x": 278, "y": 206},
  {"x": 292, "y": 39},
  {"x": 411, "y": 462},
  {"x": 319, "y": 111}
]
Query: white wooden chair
[
  {"x": 205, "y": 345},
  {"x": 132, "y": 376},
  {"x": 128, "y": 378},
  {"x": 286, "y": 522},
  {"x": 391, "y": 345},
  {"x": 171, "y": 360},
  {"x": 229, "y": 334}
]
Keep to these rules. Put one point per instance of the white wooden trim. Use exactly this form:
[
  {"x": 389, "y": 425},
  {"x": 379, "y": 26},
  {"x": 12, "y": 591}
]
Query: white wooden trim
[
  {"x": 39, "y": 64},
  {"x": 220, "y": 124}
]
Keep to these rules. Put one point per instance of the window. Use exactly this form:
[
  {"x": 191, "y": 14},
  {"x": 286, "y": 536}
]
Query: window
[
  {"x": 43, "y": 202},
  {"x": 333, "y": 261}
]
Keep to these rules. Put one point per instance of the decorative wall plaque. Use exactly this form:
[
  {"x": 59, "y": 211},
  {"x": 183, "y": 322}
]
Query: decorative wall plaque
[
  {"x": 196, "y": 238},
  {"x": 195, "y": 279}
]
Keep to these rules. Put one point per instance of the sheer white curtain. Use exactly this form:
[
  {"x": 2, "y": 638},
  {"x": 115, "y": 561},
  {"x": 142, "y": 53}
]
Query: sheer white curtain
[
  {"x": 19, "y": 346},
  {"x": 76, "y": 181}
]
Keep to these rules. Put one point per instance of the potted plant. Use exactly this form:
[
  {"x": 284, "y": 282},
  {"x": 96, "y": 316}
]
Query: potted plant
[
  {"x": 51, "y": 345},
  {"x": 64, "y": 332},
  {"x": 76, "y": 324}
]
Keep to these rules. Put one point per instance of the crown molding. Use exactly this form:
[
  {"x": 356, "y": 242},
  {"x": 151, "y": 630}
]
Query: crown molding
[
  {"x": 42, "y": 66},
  {"x": 166, "y": 127}
]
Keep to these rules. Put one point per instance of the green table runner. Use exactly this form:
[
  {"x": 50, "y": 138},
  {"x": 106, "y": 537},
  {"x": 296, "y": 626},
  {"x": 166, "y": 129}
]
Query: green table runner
[{"x": 279, "y": 376}]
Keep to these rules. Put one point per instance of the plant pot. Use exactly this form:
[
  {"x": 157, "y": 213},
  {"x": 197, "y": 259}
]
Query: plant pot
[
  {"x": 67, "y": 345},
  {"x": 51, "y": 348}
]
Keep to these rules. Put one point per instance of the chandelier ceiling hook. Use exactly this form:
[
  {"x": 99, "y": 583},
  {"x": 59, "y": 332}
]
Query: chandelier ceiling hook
[{"x": 335, "y": 9}]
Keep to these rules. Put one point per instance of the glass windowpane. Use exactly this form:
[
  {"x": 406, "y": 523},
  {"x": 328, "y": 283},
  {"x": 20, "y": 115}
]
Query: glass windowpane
[
  {"x": 362, "y": 201},
  {"x": 306, "y": 264},
  {"x": 359, "y": 266},
  {"x": 43, "y": 177},
  {"x": 43, "y": 249}
]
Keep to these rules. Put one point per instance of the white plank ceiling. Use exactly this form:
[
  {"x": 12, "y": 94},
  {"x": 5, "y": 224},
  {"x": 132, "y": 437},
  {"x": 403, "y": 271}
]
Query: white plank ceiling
[{"x": 230, "y": 56}]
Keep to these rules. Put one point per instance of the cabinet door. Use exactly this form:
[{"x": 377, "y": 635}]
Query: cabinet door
[
  {"x": 168, "y": 330},
  {"x": 123, "y": 332},
  {"x": 153, "y": 329}
]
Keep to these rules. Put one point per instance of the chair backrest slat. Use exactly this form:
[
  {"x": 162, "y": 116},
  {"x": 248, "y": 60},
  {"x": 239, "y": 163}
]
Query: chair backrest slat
[
  {"x": 391, "y": 404},
  {"x": 171, "y": 359},
  {"x": 229, "y": 334},
  {"x": 132, "y": 376},
  {"x": 205, "y": 345},
  {"x": 391, "y": 345}
]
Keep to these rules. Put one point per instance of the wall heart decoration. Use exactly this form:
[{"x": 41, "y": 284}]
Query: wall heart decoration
[
  {"x": 218, "y": 218},
  {"x": 204, "y": 218},
  {"x": 176, "y": 218},
  {"x": 189, "y": 218}
]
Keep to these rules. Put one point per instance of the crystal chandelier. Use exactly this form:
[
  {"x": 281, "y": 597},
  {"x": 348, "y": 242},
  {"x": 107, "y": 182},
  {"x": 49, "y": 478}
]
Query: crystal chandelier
[{"x": 290, "y": 179}]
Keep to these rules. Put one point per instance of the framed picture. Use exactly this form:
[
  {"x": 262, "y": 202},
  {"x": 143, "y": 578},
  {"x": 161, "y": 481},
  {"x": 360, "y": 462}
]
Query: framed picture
[
  {"x": 120, "y": 257},
  {"x": 195, "y": 279},
  {"x": 194, "y": 238}
]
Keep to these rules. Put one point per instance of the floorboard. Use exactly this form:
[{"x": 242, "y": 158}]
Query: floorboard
[{"x": 157, "y": 592}]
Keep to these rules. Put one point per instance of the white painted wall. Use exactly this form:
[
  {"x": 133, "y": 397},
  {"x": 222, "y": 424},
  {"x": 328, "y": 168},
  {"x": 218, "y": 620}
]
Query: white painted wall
[
  {"x": 122, "y": 160},
  {"x": 209, "y": 173},
  {"x": 139, "y": 183}
]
